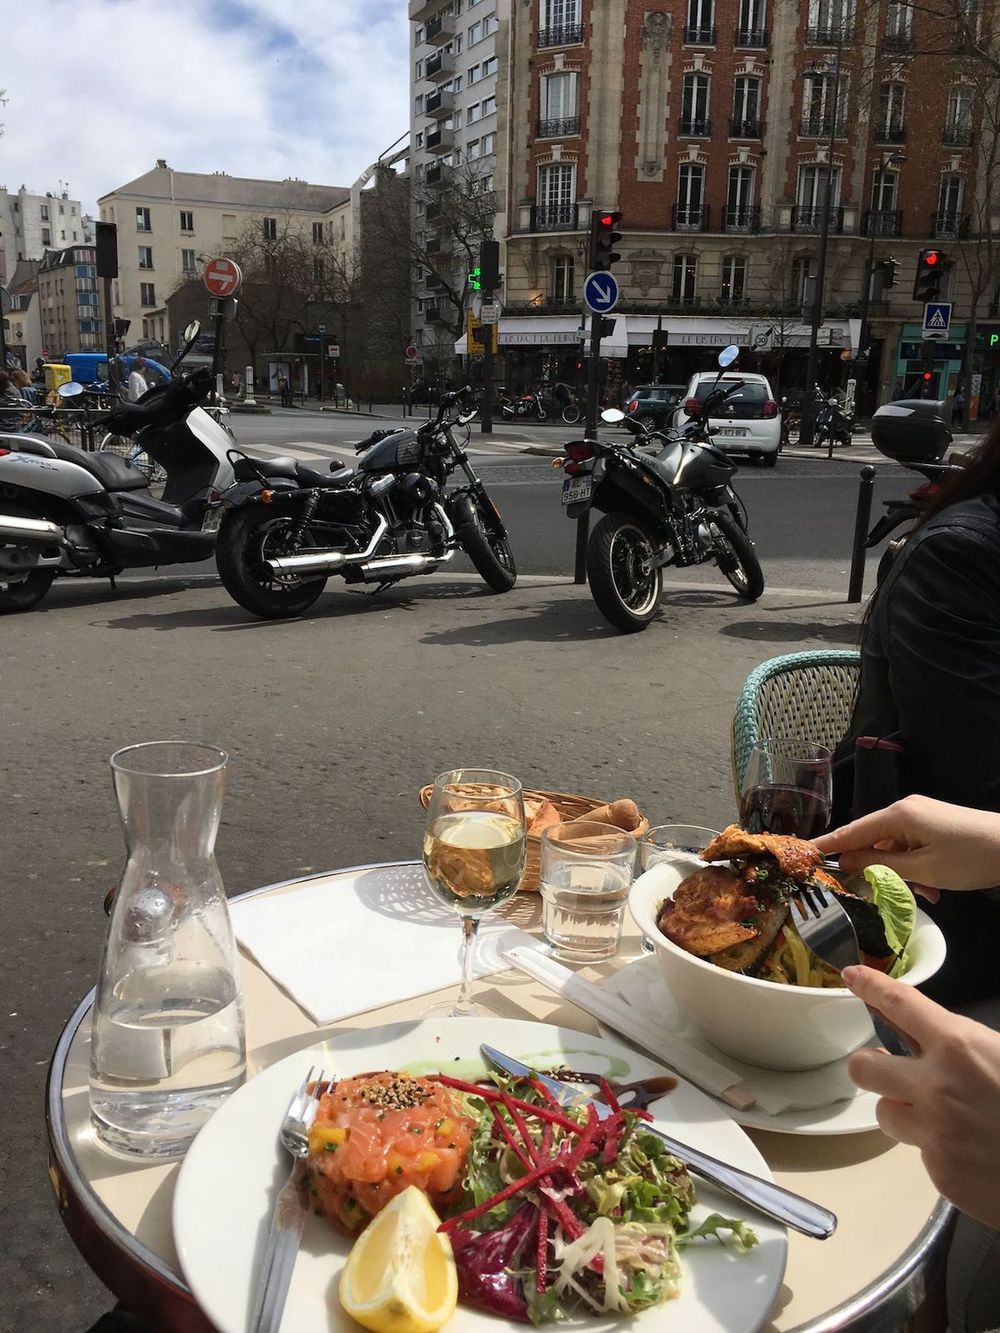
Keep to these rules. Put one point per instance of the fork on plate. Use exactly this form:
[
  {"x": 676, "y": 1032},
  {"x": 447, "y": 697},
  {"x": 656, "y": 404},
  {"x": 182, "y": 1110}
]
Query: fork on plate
[
  {"x": 825, "y": 927},
  {"x": 289, "y": 1215}
]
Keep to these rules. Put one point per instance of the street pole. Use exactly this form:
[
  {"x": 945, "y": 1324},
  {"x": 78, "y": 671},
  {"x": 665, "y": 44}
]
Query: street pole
[
  {"x": 218, "y": 347},
  {"x": 590, "y": 431},
  {"x": 321, "y": 329},
  {"x": 110, "y": 342},
  {"x": 657, "y": 351},
  {"x": 3, "y": 341},
  {"x": 486, "y": 424},
  {"x": 808, "y": 420}
]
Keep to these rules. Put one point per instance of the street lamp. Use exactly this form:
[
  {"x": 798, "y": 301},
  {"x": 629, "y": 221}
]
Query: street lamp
[{"x": 808, "y": 418}]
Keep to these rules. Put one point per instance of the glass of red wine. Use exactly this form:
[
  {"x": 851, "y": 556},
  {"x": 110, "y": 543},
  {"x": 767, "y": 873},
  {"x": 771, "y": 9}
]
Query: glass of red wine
[{"x": 787, "y": 788}]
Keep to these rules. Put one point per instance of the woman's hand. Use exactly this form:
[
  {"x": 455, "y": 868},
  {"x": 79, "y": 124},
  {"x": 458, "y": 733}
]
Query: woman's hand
[
  {"x": 946, "y": 1100},
  {"x": 928, "y": 843}
]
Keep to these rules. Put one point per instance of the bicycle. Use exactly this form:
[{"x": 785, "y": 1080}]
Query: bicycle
[{"x": 40, "y": 421}]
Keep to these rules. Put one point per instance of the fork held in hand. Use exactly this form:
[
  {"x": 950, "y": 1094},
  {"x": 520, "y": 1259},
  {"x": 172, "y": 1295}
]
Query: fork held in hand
[
  {"x": 823, "y": 924},
  {"x": 289, "y": 1215}
]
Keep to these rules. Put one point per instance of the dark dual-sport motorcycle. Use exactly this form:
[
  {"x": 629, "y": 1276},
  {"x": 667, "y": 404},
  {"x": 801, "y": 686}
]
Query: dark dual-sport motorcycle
[
  {"x": 287, "y": 526},
  {"x": 677, "y": 508}
]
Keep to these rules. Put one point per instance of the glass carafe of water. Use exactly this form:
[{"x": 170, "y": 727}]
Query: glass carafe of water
[{"x": 167, "y": 1044}]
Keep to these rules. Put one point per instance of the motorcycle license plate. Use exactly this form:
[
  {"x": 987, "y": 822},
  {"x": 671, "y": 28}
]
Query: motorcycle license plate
[
  {"x": 730, "y": 431},
  {"x": 576, "y": 489},
  {"x": 212, "y": 519}
]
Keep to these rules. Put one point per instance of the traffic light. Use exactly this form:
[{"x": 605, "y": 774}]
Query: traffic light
[
  {"x": 604, "y": 236},
  {"x": 607, "y": 326},
  {"x": 106, "y": 249},
  {"x": 489, "y": 266},
  {"x": 931, "y": 269},
  {"x": 476, "y": 278},
  {"x": 890, "y": 270},
  {"x": 661, "y": 340}
]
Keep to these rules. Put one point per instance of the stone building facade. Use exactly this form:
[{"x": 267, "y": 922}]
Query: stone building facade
[{"x": 710, "y": 125}]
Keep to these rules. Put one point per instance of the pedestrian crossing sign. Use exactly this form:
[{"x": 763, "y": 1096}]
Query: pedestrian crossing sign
[{"x": 937, "y": 319}]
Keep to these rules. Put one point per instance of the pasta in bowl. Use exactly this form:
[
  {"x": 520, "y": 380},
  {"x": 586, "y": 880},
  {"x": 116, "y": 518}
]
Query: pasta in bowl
[{"x": 730, "y": 955}]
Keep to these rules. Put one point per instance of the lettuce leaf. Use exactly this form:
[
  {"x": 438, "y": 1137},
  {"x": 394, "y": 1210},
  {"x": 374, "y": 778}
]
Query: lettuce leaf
[
  {"x": 897, "y": 907},
  {"x": 744, "y": 1236}
]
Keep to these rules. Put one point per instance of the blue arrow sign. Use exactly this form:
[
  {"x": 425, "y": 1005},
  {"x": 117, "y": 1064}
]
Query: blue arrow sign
[{"x": 600, "y": 293}]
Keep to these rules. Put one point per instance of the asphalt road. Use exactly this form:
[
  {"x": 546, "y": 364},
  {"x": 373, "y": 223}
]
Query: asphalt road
[{"x": 333, "y": 723}]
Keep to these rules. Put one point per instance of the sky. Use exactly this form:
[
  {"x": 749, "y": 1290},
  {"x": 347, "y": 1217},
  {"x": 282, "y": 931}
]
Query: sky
[{"x": 97, "y": 90}]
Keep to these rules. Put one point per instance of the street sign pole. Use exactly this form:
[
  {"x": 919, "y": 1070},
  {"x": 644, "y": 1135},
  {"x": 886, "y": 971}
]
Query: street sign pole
[
  {"x": 489, "y": 270},
  {"x": 321, "y": 330},
  {"x": 590, "y": 431}
]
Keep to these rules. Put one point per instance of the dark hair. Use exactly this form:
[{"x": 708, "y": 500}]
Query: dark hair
[
  {"x": 4, "y": 381},
  {"x": 980, "y": 476}
]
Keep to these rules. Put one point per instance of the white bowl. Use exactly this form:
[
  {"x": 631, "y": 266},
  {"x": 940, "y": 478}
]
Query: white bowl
[{"x": 763, "y": 1022}]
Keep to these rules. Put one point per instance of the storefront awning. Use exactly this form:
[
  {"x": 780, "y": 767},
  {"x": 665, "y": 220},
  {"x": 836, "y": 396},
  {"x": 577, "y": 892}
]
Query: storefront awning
[{"x": 681, "y": 330}]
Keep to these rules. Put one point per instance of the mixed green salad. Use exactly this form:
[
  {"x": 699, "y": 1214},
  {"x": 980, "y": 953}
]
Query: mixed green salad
[{"x": 566, "y": 1213}]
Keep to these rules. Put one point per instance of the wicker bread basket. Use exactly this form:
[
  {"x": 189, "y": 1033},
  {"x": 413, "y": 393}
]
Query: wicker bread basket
[{"x": 569, "y": 807}]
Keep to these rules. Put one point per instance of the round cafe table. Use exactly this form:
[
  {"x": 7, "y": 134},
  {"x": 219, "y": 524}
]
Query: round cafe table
[{"x": 880, "y": 1273}]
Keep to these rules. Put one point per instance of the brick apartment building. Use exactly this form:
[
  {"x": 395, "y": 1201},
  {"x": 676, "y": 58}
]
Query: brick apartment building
[{"x": 710, "y": 125}]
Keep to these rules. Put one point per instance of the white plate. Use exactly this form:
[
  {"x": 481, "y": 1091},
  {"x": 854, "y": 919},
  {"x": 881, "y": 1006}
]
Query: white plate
[
  {"x": 228, "y": 1182},
  {"x": 849, "y": 1111}
]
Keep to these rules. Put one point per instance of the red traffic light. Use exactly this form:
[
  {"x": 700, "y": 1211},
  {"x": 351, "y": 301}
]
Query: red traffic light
[
  {"x": 927, "y": 375},
  {"x": 932, "y": 257},
  {"x": 608, "y": 219}
]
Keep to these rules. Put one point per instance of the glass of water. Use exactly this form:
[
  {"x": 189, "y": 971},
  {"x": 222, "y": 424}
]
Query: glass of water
[
  {"x": 671, "y": 842},
  {"x": 586, "y": 873}
]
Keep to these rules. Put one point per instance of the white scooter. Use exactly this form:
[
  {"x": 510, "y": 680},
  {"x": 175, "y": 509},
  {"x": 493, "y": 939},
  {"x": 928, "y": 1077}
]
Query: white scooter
[{"x": 69, "y": 512}]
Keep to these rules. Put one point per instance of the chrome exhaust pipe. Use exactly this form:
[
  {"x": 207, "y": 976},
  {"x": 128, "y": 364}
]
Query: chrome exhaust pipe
[
  {"x": 34, "y": 532},
  {"x": 398, "y": 566},
  {"x": 326, "y": 562}
]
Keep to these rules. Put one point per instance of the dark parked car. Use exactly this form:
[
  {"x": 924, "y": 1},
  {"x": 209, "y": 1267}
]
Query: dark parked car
[{"x": 653, "y": 404}]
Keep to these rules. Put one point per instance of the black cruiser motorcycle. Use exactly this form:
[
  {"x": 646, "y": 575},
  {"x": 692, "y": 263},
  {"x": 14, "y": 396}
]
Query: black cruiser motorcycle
[
  {"x": 677, "y": 508},
  {"x": 288, "y": 526}
]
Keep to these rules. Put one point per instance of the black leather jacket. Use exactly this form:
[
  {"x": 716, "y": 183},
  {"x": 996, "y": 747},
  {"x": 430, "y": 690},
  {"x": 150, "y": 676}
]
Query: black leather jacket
[{"x": 930, "y": 676}]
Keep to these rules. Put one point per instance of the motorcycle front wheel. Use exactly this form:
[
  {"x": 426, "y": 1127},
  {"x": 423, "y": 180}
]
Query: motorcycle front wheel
[
  {"x": 625, "y": 581},
  {"x": 248, "y": 537},
  {"x": 735, "y": 556},
  {"x": 571, "y": 414},
  {"x": 488, "y": 548}
]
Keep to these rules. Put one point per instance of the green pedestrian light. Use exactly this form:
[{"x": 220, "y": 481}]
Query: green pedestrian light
[{"x": 475, "y": 279}]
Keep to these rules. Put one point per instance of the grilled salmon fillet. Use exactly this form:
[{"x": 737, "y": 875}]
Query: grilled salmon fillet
[
  {"x": 712, "y": 910},
  {"x": 794, "y": 857}
]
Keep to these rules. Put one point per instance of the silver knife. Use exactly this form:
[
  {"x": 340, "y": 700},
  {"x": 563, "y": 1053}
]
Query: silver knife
[
  {"x": 770, "y": 1199},
  {"x": 284, "y": 1239}
]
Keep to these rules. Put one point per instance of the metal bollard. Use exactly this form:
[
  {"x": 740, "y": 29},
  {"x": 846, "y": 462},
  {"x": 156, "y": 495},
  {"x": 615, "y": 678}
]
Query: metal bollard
[{"x": 862, "y": 519}]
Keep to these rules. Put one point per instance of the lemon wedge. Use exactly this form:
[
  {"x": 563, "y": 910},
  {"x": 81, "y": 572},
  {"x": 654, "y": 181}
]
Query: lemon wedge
[{"x": 400, "y": 1275}]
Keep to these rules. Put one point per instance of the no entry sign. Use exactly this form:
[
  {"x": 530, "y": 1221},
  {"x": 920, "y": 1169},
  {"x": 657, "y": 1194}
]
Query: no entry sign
[{"x": 223, "y": 277}]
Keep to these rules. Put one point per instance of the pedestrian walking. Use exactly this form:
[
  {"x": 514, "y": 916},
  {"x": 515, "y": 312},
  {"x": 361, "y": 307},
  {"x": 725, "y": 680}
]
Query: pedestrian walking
[
  {"x": 957, "y": 408},
  {"x": 284, "y": 391},
  {"x": 137, "y": 381}
]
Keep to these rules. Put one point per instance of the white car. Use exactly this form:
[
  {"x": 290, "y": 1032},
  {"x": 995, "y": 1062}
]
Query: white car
[{"x": 748, "y": 422}]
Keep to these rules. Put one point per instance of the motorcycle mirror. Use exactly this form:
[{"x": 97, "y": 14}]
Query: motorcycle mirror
[
  {"x": 728, "y": 355},
  {"x": 612, "y": 415},
  {"x": 464, "y": 418},
  {"x": 192, "y": 331},
  {"x": 832, "y": 402},
  {"x": 71, "y": 390}
]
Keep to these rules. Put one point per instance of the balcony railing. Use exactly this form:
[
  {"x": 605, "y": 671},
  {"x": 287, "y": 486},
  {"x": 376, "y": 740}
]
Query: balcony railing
[
  {"x": 947, "y": 225},
  {"x": 439, "y": 67},
  {"x": 562, "y": 34},
  {"x": 439, "y": 105},
  {"x": 559, "y": 128},
  {"x": 436, "y": 173},
  {"x": 739, "y": 218},
  {"x": 820, "y": 127},
  {"x": 744, "y": 129},
  {"x": 896, "y": 43},
  {"x": 883, "y": 222},
  {"x": 439, "y": 141},
  {"x": 755, "y": 38},
  {"x": 811, "y": 219},
  {"x": 555, "y": 217},
  {"x": 695, "y": 127},
  {"x": 829, "y": 35},
  {"x": 958, "y": 135},
  {"x": 433, "y": 313},
  {"x": 690, "y": 217},
  {"x": 890, "y": 134},
  {"x": 441, "y": 29},
  {"x": 698, "y": 35}
]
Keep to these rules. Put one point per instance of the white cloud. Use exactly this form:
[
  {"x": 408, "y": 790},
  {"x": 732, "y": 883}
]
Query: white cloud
[{"x": 99, "y": 90}]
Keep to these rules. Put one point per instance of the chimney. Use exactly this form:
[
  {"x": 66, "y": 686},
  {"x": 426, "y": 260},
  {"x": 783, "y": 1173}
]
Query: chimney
[{"x": 161, "y": 163}]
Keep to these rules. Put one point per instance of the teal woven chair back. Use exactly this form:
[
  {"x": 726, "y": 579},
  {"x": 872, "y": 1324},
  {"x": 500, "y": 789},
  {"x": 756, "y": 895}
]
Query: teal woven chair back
[{"x": 802, "y": 696}]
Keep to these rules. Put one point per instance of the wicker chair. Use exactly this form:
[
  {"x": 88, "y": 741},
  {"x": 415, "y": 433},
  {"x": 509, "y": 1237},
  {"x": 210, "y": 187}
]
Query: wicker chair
[{"x": 807, "y": 696}]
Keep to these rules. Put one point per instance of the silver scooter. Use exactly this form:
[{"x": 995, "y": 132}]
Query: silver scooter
[{"x": 68, "y": 512}]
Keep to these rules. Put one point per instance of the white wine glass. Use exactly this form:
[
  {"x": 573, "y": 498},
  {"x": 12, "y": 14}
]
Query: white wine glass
[{"x": 474, "y": 849}]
